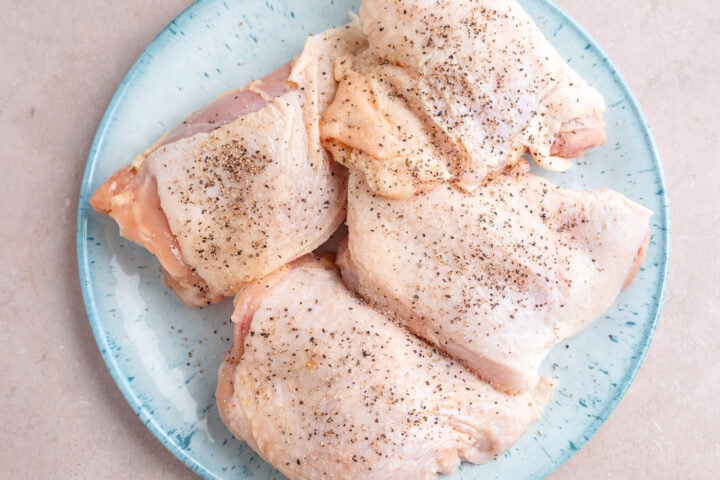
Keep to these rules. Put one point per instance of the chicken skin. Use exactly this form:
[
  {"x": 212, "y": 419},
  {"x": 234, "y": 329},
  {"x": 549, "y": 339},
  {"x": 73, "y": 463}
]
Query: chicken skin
[
  {"x": 242, "y": 186},
  {"x": 494, "y": 278},
  {"x": 452, "y": 90},
  {"x": 325, "y": 387}
]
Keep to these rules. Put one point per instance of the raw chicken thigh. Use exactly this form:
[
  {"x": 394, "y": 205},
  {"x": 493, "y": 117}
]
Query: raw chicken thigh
[
  {"x": 451, "y": 90},
  {"x": 498, "y": 277},
  {"x": 242, "y": 186},
  {"x": 325, "y": 387}
]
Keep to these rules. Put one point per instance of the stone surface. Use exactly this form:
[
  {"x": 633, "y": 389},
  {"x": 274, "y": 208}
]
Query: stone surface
[{"x": 63, "y": 416}]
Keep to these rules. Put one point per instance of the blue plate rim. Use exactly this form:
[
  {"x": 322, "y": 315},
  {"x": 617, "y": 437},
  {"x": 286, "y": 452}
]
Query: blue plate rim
[
  {"x": 664, "y": 216},
  {"x": 84, "y": 262}
]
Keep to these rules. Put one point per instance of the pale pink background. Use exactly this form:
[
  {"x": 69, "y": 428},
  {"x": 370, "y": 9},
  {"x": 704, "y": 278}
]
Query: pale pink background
[{"x": 61, "y": 415}]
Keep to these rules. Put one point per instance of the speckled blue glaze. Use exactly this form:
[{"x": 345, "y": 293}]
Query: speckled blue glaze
[{"x": 164, "y": 357}]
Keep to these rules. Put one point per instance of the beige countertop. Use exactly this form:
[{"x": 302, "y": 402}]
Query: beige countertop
[{"x": 63, "y": 416}]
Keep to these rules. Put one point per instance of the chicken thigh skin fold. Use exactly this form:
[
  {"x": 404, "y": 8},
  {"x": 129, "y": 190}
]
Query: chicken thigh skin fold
[
  {"x": 242, "y": 186},
  {"x": 494, "y": 278},
  {"x": 325, "y": 387},
  {"x": 452, "y": 90}
]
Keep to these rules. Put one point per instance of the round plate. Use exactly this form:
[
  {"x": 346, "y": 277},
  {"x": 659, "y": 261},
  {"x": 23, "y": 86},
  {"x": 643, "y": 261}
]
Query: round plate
[{"x": 164, "y": 357}]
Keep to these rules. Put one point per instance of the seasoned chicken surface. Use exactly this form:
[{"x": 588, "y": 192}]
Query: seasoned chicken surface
[
  {"x": 453, "y": 89},
  {"x": 242, "y": 186},
  {"x": 325, "y": 387},
  {"x": 498, "y": 277}
]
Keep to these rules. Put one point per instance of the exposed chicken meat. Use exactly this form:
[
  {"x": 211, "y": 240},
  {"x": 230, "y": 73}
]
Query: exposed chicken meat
[
  {"x": 242, "y": 186},
  {"x": 452, "y": 89},
  {"x": 325, "y": 387},
  {"x": 230, "y": 106},
  {"x": 498, "y": 277}
]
